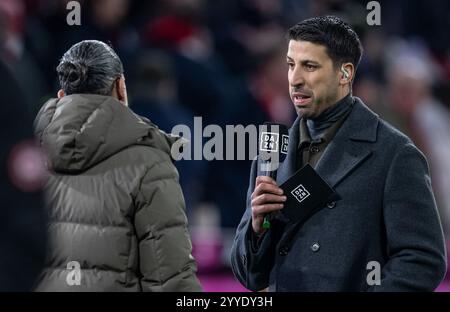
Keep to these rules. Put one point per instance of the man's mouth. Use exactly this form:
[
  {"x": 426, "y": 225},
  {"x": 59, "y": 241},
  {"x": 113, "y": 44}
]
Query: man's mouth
[{"x": 301, "y": 99}]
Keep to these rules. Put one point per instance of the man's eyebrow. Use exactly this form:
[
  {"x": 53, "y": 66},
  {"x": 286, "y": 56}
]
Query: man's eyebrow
[
  {"x": 303, "y": 62},
  {"x": 311, "y": 62}
]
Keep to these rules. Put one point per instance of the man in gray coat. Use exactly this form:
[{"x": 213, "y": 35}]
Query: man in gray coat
[
  {"x": 117, "y": 213},
  {"x": 382, "y": 232}
]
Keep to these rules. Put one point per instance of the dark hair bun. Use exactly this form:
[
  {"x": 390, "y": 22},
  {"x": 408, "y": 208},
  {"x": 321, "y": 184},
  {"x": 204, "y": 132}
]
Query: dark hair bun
[
  {"x": 73, "y": 75},
  {"x": 89, "y": 67}
]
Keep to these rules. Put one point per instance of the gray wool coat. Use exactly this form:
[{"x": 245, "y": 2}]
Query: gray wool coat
[{"x": 386, "y": 212}]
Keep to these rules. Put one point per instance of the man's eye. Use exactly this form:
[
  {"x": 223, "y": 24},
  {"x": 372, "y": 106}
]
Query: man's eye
[
  {"x": 310, "y": 67},
  {"x": 291, "y": 65}
]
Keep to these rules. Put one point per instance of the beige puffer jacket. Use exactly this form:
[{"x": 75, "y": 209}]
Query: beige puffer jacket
[{"x": 115, "y": 203}]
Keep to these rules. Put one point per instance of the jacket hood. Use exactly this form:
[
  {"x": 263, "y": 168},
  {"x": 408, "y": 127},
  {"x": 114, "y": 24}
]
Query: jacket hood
[{"x": 80, "y": 130}]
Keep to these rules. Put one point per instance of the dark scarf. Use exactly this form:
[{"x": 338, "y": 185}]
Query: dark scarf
[{"x": 319, "y": 125}]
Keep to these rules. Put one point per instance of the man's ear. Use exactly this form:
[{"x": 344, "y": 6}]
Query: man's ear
[
  {"x": 121, "y": 91},
  {"x": 60, "y": 93},
  {"x": 347, "y": 73}
]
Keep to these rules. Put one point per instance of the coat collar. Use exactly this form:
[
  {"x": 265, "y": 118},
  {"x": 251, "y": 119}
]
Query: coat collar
[{"x": 344, "y": 153}]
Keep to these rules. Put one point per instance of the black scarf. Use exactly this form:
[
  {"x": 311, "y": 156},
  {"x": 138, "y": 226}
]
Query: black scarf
[{"x": 317, "y": 126}]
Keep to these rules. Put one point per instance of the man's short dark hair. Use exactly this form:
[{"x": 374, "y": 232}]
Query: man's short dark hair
[{"x": 341, "y": 41}]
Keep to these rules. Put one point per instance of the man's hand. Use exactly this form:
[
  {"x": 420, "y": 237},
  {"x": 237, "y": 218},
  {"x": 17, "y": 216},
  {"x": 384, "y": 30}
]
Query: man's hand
[{"x": 266, "y": 198}]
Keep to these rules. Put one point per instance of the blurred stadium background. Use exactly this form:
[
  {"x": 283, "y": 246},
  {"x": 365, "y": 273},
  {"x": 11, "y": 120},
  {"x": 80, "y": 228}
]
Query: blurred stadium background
[{"x": 224, "y": 60}]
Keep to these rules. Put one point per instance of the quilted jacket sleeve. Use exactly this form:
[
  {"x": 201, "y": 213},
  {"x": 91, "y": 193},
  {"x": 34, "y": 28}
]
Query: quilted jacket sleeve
[{"x": 165, "y": 259}]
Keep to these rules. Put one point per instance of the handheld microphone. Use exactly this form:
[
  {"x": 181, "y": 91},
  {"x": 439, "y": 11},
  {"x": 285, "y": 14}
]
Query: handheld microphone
[{"x": 273, "y": 147}]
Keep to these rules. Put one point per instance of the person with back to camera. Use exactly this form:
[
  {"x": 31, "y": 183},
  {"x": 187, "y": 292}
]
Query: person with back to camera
[{"x": 115, "y": 204}]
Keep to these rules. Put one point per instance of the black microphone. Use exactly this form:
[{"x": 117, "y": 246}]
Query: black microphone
[{"x": 272, "y": 147}]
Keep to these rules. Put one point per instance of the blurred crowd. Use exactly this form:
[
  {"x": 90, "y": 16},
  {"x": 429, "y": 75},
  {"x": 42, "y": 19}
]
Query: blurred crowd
[{"x": 224, "y": 60}]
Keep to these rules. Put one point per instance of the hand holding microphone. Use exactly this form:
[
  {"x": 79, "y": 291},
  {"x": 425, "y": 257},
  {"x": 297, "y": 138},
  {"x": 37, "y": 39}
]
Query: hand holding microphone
[{"x": 267, "y": 197}]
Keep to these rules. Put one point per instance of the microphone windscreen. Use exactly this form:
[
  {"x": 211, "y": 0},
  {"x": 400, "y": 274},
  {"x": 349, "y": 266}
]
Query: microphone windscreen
[{"x": 273, "y": 143}]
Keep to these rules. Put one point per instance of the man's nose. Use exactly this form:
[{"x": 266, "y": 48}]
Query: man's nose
[{"x": 296, "y": 77}]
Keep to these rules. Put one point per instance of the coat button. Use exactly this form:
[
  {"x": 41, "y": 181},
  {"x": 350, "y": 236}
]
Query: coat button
[
  {"x": 331, "y": 205},
  {"x": 314, "y": 149},
  {"x": 283, "y": 251},
  {"x": 315, "y": 247}
]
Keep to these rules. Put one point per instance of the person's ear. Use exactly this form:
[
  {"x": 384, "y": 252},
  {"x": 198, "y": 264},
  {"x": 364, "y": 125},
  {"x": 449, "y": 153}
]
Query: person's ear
[
  {"x": 121, "y": 91},
  {"x": 348, "y": 71},
  {"x": 60, "y": 93}
]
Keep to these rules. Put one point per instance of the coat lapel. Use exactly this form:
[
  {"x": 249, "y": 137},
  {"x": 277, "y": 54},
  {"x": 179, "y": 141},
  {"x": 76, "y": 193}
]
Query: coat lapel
[
  {"x": 349, "y": 148},
  {"x": 345, "y": 152}
]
